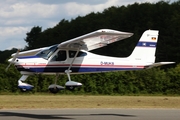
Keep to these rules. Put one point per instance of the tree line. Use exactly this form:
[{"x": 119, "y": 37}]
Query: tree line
[{"x": 136, "y": 18}]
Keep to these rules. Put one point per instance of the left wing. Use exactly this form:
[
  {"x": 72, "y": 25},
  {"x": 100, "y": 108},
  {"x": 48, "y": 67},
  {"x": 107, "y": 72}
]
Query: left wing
[
  {"x": 29, "y": 52},
  {"x": 24, "y": 53},
  {"x": 96, "y": 39}
]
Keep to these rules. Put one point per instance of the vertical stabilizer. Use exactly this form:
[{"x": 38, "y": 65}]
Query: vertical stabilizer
[{"x": 146, "y": 47}]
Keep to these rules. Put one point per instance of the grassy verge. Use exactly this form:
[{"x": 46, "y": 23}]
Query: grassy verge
[{"x": 83, "y": 101}]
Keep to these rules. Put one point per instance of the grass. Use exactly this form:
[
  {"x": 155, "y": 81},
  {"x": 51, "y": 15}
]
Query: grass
[{"x": 86, "y": 101}]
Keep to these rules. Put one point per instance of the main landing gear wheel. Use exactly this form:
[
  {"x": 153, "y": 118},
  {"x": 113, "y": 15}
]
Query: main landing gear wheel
[
  {"x": 55, "y": 88},
  {"x": 71, "y": 88},
  {"x": 71, "y": 85}
]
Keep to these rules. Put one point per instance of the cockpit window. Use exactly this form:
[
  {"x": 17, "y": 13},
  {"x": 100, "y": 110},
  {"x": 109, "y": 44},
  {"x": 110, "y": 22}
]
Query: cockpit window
[
  {"x": 60, "y": 56},
  {"x": 47, "y": 52},
  {"x": 73, "y": 53}
]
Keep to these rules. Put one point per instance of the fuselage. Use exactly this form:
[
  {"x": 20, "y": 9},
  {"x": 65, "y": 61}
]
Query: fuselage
[
  {"x": 84, "y": 62},
  {"x": 66, "y": 56}
]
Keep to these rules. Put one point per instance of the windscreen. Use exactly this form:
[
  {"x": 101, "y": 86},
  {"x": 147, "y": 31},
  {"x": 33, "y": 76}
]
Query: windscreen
[{"x": 47, "y": 52}]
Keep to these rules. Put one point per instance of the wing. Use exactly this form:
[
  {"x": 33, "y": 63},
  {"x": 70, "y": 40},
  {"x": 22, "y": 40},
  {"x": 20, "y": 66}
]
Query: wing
[
  {"x": 91, "y": 41},
  {"x": 29, "y": 52},
  {"x": 96, "y": 39}
]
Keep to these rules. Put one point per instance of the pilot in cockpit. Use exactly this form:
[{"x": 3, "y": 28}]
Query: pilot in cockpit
[{"x": 61, "y": 56}]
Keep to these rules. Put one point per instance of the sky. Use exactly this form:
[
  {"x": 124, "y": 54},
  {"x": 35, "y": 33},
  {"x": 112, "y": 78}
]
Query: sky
[{"x": 17, "y": 17}]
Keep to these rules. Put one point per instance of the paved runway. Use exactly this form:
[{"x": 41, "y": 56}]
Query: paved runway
[{"x": 91, "y": 114}]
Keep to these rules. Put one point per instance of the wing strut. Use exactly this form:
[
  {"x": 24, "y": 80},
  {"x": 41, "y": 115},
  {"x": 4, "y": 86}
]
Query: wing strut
[
  {"x": 72, "y": 84},
  {"x": 74, "y": 58},
  {"x": 68, "y": 71}
]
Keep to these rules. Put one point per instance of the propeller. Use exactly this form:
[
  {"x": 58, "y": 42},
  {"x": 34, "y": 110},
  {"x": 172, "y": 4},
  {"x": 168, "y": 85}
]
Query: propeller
[{"x": 13, "y": 59}]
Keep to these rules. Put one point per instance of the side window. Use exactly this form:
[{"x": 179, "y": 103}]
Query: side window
[
  {"x": 60, "y": 56},
  {"x": 73, "y": 53}
]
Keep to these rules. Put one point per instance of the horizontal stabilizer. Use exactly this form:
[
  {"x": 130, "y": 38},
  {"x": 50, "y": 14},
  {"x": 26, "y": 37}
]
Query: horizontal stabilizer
[{"x": 158, "y": 64}]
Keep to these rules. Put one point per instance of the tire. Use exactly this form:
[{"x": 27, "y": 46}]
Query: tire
[
  {"x": 54, "y": 90},
  {"x": 23, "y": 90},
  {"x": 71, "y": 88}
]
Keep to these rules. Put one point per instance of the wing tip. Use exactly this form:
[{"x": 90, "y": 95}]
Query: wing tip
[{"x": 113, "y": 31}]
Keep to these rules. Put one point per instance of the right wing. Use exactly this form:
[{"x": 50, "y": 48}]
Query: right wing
[{"x": 96, "y": 39}]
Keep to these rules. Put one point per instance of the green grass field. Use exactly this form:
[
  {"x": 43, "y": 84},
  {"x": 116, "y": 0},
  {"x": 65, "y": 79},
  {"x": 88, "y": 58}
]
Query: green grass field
[{"x": 83, "y": 101}]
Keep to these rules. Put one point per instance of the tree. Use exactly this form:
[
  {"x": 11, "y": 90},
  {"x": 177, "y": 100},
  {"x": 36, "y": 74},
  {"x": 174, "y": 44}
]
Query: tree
[{"x": 32, "y": 37}]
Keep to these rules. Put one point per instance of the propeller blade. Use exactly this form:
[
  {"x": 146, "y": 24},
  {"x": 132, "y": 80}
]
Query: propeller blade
[
  {"x": 13, "y": 59},
  {"x": 8, "y": 67}
]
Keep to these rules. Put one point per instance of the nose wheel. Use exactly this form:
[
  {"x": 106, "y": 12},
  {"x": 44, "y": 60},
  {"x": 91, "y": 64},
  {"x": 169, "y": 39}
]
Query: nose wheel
[{"x": 24, "y": 86}]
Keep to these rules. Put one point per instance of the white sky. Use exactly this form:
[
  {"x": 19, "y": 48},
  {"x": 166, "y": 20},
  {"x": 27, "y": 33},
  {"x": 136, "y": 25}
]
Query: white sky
[{"x": 17, "y": 17}]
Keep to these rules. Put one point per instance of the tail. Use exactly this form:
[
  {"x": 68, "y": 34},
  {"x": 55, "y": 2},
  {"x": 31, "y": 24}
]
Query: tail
[{"x": 146, "y": 47}]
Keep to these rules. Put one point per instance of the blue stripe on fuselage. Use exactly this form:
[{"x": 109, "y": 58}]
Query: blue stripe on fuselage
[
  {"x": 74, "y": 69},
  {"x": 146, "y": 44},
  {"x": 26, "y": 57}
]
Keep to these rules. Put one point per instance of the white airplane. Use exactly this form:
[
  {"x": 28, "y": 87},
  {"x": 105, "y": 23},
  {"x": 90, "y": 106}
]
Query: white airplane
[{"x": 73, "y": 57}]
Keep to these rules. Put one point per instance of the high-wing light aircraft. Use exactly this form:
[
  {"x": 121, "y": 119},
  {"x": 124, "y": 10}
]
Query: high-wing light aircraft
[{"x": 73, "y": 57}]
